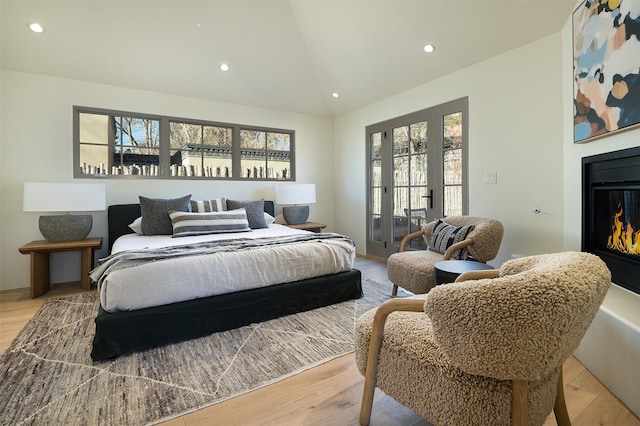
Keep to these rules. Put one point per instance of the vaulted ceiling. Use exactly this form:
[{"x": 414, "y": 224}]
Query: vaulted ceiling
[{"x": 288, "y": 55}]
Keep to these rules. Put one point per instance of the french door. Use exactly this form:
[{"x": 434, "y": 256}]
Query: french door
[{"x": 417, "y": 172}]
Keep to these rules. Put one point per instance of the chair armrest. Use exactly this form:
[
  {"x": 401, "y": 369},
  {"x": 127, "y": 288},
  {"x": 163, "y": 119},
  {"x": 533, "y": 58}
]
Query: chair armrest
[
  {"x": 379, "y": 320},
  {"x": 408, "y": 238},
  {"x": 457, "y": 246},
  {"x": 478, "y": 275}
]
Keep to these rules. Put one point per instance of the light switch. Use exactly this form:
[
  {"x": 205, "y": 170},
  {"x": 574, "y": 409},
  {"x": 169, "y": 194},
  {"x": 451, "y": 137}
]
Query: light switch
[{"x": 491, "y": 177}]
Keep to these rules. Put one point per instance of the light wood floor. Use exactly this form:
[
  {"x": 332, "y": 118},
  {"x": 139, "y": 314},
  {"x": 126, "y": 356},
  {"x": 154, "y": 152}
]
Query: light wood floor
[{"x": 330, "y": 394}]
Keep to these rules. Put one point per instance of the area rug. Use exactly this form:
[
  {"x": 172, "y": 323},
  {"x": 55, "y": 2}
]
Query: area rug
[{"x": 47, "y": 376}]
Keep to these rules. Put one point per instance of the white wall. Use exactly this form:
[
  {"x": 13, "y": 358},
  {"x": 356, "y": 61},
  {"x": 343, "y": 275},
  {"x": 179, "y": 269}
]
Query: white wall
[
  {"x": 36, "y": 145},
  {"x": 515, "y": 128},
  {"x": 611, "y": 347}
]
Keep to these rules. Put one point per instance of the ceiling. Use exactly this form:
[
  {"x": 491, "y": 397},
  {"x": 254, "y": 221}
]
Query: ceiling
[{"x": 288, "y": 55}]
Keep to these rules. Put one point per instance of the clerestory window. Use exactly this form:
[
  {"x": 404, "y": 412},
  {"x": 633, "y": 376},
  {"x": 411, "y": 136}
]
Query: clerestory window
[{"x": 119, "y": 144}]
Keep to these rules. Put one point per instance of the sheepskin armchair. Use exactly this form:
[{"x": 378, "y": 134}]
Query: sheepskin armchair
[
  {"x": 414, "y": 270},
  {"x": 484, "y": 351}
]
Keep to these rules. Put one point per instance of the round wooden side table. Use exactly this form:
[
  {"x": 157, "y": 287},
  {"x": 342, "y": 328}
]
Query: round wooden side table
[{"x": 446, "y": 271}]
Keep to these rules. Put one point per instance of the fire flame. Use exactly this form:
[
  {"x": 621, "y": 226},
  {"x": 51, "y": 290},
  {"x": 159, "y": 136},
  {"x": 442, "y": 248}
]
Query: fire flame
[{"x": 623, "y": 239}]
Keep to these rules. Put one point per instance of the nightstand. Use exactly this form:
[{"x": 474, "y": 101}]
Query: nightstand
[
  {"x": 39, "y": 251},
  {"x": 309, "y": 226}
]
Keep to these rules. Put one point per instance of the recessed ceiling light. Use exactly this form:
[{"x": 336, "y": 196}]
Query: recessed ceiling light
[
  {"x": 224, "y": 67},
  {"x": 429, "y": 48},
  {"x": 335, "y": 94},
  {"x": 35, "y": 27}
]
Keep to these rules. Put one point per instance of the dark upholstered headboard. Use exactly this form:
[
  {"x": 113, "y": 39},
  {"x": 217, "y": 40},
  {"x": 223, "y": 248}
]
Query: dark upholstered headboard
[{"x": 121, "y": 215}]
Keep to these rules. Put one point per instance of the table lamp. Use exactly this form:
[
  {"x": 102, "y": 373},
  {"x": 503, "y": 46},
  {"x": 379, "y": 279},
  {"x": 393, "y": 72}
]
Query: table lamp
[
  {"x": 294, "y": 194},
  {"x": 64, "y": 197}
]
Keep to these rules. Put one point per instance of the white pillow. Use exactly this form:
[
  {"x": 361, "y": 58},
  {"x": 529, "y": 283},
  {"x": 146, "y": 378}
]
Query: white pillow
[
  {"x": 187, "y": 223},
  {"x": 268, "y": 218},
  {"x": 136, "y": 226}
]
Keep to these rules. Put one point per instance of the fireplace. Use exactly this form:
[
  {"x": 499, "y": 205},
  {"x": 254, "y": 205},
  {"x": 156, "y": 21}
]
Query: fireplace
[{"x": 611, "y": 213}]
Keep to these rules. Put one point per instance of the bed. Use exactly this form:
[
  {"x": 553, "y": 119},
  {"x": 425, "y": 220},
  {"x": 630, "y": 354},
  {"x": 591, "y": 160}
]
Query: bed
[{"x": 126, "y": 324}]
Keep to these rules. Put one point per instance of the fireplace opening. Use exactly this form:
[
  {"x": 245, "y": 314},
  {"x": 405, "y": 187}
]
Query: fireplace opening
[{"x": 611, "y": 213}]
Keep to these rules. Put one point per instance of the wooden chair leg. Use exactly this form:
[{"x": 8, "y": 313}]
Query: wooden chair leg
[
  {"x": 394, "y": 292},
  {"x": 519, "y": 403},
  {"x": 560, "y": 407}
]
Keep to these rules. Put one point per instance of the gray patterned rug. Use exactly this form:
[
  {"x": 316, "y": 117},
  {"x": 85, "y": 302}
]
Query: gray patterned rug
[{"x": 47, "y": 376}]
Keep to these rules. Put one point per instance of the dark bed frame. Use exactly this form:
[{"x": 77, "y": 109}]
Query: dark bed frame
[{"x": 123, "y": 332}]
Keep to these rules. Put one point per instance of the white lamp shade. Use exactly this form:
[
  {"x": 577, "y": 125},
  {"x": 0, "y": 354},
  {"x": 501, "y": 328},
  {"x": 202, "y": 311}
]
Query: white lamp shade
[
  {"x": 295, "y": 193},
  {"x": 63, "y": 197}
]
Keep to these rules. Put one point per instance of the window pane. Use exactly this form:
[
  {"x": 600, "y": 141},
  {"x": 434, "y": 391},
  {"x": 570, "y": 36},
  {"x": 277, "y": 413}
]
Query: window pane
[
  {"x": 453, "y": 167},
  {"x": 217, "y": 151},
  {"x": 401, "y": 171},
  {"x": 94, "y": 160},
  {"x": 376, "y": 214},
  {"x": 375, "y": 181},
  {"x": 278, "y": 156},
  {"x": 419, "y": 137},
  {"x": 217, "y": 136},
  {"x": 453, "y": 200},
  {"x": 253, "y": 139},
  {"x": 400, "y": 220},
  {"x": 265, "y": 155},
  {"x": 137, "y": 135},
  {"x": 376, "y": 228},
  {"x": 452, "y": 164},
  {"x": 452, "y": 130},
  {"x": 278, "y": 141},
  {"x": 118, "y": 145},
  {"x": 376, "y": 145},
  {"x": 200, "y": 151},
  {"x": 95, "y": 129},
  {"x": 253, "y": 161},
  {"x": 184, "y": 134},
  {"x": 419, "y": 169},
  {"x": 401, "y": 140}
]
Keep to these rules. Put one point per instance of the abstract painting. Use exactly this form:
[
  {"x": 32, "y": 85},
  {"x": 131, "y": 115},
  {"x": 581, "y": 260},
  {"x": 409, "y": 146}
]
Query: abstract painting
[{"x": 606, "y": 68}]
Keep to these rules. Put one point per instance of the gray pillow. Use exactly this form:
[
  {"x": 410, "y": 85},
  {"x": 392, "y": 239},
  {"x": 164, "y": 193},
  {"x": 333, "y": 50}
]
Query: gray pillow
[
  {"x": 255, "y": 212},
  {"x": 188, "y": 224},
  {"x": 155, "y": 213},
  {"x": 203, "y": 206}
]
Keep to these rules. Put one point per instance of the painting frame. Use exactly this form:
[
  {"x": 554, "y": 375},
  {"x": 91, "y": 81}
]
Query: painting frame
[{"x": 606, "y": 68}]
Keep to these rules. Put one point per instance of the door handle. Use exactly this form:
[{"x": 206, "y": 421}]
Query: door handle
[{"x": 430, "y": 197}]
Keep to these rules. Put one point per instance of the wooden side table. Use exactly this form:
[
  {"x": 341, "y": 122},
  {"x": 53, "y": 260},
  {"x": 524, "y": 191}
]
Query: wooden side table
[
  {"x": 309, "y": 226},
  {"x": 39, "y": 251}
]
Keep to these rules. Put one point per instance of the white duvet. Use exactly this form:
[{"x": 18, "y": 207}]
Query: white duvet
[{"x": 186, "y": 278}]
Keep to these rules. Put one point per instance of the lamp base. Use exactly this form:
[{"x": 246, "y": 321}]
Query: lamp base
[
  {"x": 62, "y": 228},
  {"x": 295, "y": 215}
]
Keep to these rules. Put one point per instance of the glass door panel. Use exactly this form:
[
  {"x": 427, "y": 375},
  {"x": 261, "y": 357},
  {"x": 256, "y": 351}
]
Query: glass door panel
[
  {"x": 375, "y": 187},
  {"x": 410, "y": 181},
  {"x": 452, "y": 163},
  {"x": 416, "y": 174}
]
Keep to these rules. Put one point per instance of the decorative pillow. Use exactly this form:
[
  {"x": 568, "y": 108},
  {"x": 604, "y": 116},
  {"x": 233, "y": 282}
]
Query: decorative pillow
[
  {"x": 255, "y": 212},
  {"x": 136, "y": 226},
  {"x": 269, "y": 219},
  {"x": 187, "y": 224},
  {"x": 155, "y": 213},
  {"x": 215, "y": 205},
  {"x": 444, "y": 236}
]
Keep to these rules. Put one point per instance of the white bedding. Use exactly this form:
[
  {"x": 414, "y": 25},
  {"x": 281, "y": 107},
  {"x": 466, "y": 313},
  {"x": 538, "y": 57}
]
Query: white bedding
[{"x": 175, "y": 280}]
